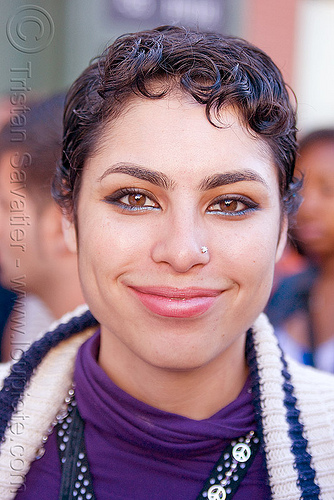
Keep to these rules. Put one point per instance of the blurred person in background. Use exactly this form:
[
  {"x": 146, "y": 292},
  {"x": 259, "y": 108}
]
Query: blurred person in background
[
  {"x": 34, "y": 260},
  {"x": 7, "y": 299},
  {"x": 6, "y": 296},
  {"x": 302, "y": 308}
]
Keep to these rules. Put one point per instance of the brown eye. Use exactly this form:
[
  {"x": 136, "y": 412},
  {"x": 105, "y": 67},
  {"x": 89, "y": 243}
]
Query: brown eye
[
  {"x": 232, "y": 206},
  {"x": 132, "y": 200},
  {"x": 137, "y": 200},
  {"x": 229, "y": 205}
]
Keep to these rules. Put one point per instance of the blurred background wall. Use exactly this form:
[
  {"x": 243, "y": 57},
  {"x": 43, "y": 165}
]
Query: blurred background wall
[{"x": 45, "y": 44}]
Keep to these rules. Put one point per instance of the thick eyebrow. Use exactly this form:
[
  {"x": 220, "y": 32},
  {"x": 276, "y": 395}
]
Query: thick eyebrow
[
  {"x": 157, "y": 178},
  {"x": 217, "y": 180}
]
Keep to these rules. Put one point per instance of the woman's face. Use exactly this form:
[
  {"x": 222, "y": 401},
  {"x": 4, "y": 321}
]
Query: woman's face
[
  {"x": 315, "y": 218},
  {"x": 163, "y": 184}
]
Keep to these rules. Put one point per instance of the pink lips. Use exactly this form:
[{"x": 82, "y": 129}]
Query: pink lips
[{"x": 175, "y": 302}]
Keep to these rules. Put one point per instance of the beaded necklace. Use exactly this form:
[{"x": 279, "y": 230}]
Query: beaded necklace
[{"x": 76, "y": 482}]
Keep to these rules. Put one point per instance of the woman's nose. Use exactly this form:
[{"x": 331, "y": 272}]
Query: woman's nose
[{"x": 181, "y": 243}]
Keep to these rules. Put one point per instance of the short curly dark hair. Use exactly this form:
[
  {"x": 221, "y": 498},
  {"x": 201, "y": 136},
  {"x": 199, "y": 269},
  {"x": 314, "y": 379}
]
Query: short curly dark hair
[{"x": 217, "y": 71}]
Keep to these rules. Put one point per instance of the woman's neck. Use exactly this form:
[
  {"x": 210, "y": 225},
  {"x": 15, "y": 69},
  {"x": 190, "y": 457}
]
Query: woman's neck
[{"x": 195, "y": 393}]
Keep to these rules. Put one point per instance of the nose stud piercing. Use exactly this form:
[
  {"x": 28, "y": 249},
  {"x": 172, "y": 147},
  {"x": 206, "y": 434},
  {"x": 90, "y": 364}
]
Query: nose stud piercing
[{"x": 204, "y": 249}]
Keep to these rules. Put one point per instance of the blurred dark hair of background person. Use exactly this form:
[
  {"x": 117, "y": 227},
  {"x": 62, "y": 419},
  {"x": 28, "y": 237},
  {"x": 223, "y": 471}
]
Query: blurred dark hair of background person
[
  {"x": 302, "y": 308},
  {"x": 34, "y": 260}
]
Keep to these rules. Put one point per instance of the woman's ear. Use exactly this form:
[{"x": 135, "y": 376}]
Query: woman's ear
[
  {"x": 70, "y": 235},
  {"x": 283, "y": 237}
]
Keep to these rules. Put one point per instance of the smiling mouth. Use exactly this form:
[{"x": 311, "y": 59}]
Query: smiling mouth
[{"x": 176, "y": 303}]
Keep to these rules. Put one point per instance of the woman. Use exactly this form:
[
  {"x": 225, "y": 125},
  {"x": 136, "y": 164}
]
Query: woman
[
  {"x": 302, "y": 307},
  {"x": 176, "y": 185}
]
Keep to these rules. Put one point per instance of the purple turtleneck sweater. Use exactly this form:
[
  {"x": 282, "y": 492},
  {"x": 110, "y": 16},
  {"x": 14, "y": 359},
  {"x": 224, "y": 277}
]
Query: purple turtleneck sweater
[{"x": 139, "y": 452}]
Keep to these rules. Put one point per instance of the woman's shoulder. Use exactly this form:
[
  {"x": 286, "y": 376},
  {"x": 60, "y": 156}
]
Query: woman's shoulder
[
  {"x": 314, "y": 390},
  {"x": 49, "y": 361},
  {"x": 314, "y": 393},
  {"x": 311, "y": 376}
]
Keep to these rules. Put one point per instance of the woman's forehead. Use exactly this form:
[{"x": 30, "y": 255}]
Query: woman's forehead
[{"x": 179, "y": 119}]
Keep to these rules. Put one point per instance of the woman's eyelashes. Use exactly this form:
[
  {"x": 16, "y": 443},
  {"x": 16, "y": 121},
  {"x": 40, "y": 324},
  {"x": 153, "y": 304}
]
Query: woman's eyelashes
[
  {"x": 235, "y": 205},
  {"x": 132, "y": 199}
]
